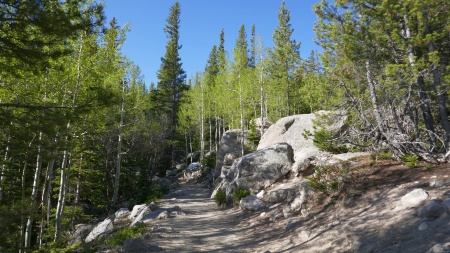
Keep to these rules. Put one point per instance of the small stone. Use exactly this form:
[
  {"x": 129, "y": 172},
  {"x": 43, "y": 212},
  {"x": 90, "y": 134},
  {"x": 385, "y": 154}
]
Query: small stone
[
  {"x": 413, "y": 198},
  {"x": 440, "y": 248},
  {"x": 275, "y": 216},
  {"x": 423, "y": 226},
  {"x": 290, "y": 223},
  {"x": 287, "y": 212},
  {"x": 304, "y": 235},
  {"x": 433, "y": 210},
  {"x": 163, "y": 215},
  {"x": 440, "y": 183},
  {"x": 260, "y": 194}
]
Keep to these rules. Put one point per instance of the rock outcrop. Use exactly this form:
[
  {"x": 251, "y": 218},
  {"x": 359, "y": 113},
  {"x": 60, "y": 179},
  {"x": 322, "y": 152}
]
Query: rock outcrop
[
  {"x": 297, "y": 131},
  {"x": 230, "y": 148},
  {"x": 257, "y": 170}
]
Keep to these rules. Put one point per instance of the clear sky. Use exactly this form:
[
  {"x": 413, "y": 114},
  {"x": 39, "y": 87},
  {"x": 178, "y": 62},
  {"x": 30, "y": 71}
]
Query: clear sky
[{"x": 201, "y": 23}]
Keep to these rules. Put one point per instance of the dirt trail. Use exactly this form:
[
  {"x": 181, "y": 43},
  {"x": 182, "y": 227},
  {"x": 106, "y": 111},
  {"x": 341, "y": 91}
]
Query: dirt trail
[
  {"x": 204, "y": 228},
  {"x": 369, "y": 222}
]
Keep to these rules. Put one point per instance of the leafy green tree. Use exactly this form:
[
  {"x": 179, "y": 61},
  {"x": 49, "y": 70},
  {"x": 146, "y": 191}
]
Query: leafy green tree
[{"x": 388, "y": 59}]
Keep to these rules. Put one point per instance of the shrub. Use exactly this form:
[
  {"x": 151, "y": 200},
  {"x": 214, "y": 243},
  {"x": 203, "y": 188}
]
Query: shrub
[
  {"x": 209, "y": 161},
  {"x": 220, "y": 198},
  {"x": 118, "y": 238},
  {"x": 327, "y": 180},
  {"x": 323, "y": 139},
  {"x": 239, "y": 194},
  {"x": 156, "y": 192},
  {"x": 411, "y": 160}
]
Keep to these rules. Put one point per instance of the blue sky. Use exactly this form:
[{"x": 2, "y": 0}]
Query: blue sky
[{"x": 201, "y": 23}]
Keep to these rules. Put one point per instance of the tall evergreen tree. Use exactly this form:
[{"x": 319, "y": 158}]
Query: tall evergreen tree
[
  {"x": 283, "y": 60},
  {"x": 171, "y": 77}
]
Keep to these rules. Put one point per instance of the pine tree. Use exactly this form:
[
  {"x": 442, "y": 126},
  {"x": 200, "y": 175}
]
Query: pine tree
[
  {"x": 283, "y": 60},
  {"x": 171, "y": 78},
  {"x": 34, "y": 31}
]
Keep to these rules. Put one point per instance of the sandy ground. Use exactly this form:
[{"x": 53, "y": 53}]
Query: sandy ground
[{"x": 370, "y": 221}]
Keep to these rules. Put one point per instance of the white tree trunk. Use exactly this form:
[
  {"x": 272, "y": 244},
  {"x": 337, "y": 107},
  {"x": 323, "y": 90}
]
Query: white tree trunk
[
  {"x": 119, "y": 149},
  {"x": 34, "y": 192}
]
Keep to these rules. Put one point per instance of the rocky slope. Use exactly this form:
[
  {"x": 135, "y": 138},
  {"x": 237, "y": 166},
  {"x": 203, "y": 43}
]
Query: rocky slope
[{"x": 302, "y": 200}]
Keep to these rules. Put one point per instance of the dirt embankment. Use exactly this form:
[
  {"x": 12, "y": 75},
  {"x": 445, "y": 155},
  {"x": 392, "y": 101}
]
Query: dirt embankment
[{"x": 368, "y": 220}]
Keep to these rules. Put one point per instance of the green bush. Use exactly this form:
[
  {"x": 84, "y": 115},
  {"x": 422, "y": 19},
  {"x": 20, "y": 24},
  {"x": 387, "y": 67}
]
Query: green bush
[
  {"x": 411, "y": 160},
  {"x": 239, "y": 194},
  {"x": 323, "y": 139},
  {"x": 131, "y": 232},
  {"x": 327, "y": 180},
  {"x": 156, "y": 192},
  {"x": 254, "y": 136},
  {"x": 220, "y": 198},
  {"x": 209, "y": 161}
]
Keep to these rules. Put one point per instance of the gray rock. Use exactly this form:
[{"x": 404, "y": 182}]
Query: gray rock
[
  {"x": 122, "y": 212},
  {"x": 433, "y": 210},
  {"x": 181, "y": 166},
  {"x": 260, "y": 194},
  {"x": 139, "y": 218},
  {"x": 287, "y": 211},
  {"x": 423, "y": 226},
  {"x": 163, "y": 215},
  {"x": 440, "y": 248},
  {"x": 446, "y": 205},
  {"x": 258, "y": 170},
  {"x": 280, "y": 195},
  {"x": 349, "y": 156},
  {"x": 176, "y": 213},
  {"x": 81, "y": 232},
  {"x": 170, "y": 173},
  {"x": 413, "y": 198},
  {"x": 251, "y": 203},
  {"x": 103, "y": 228},
  {"x": 290, "y": 223},
  {"x": 153, "y": 206},
  {"x": 304, "y": 235},
  {"x": 137, "y": 209},
  {"x": 229, "y": 149},
  {"x": 275, "y": 216},
  {"x": 294, "y": 129},
  {"x": 194, "y": 166},
  {"x": 301, "y": 198}
]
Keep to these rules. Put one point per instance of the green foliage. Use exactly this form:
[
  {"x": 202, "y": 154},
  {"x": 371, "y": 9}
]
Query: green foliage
[
  {"x": 209, "y": 161},
  {"x": 254, "y": 136},
  {"x": 411, "y": 160},
  {"x": 156, "y": 192},
  {"x": 239, "y": 194},
  {"x": 323, "y": 139},
  {"x": 384, "y": 155},
  {"x": 221, "y": 198},
  {"x": 118, "y": 238},
  {"x": 328, "y": 180}
]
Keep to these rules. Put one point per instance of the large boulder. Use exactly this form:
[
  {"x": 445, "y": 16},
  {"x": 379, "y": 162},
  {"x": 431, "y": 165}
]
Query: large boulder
[
  {"x": 80, "y": 233},
  {"x": 230, "y": 148},
  {"x": 297, "y": 131},
  {"x": 103, "y": 228},
  {"x": 258, "y": 170},
  {"x": 251, "y": 203},
  {"x": 290, "y": 130}
]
